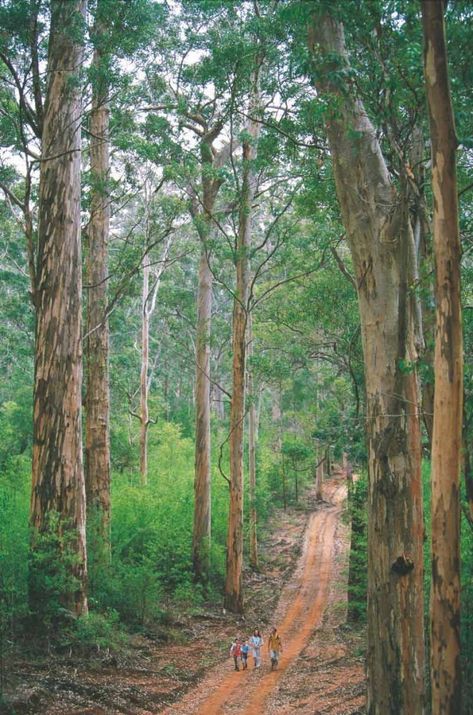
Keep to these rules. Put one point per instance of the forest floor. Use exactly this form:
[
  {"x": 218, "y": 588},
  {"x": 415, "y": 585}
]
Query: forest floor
[{"x": 301, "y": 588}]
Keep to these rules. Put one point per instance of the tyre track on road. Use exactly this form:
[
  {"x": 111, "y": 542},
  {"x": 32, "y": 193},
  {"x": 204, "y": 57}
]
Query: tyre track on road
[{"x": 299, "y": 613}]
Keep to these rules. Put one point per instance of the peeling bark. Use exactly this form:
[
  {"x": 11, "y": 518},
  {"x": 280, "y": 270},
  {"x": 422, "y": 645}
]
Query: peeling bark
[
  {"x": 201, "y": 538},
  {"x": 233, "y": 585},
  {"x": 448, "y": 367},
  {"x": 252, "y": 439},
  {"x": 144, "y": 410},
  {"x": 378, "y": 230},
  {"x": 57, "y": 471},
  {"x": 425, "y": 330},
  {"x": 97, "y": 403},
  {"x": 201, "y": 535}
]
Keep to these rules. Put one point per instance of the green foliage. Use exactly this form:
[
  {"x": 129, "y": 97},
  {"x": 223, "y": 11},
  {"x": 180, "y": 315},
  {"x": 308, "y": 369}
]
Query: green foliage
[
  {"x": 467, "y": 614},
  {"x": 99, "y": 631},
  {"x": 357, "y": 575},
  {"x": 152, "y": 535},
  {"x": 15, "y": 470},
  {"x": 171, "y": 71},
  {"x": 14, "y": 544},
  {"x": 51, "y": 579}
]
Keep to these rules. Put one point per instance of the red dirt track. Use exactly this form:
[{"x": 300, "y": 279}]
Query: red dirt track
[{"x": 299, "y": 614}]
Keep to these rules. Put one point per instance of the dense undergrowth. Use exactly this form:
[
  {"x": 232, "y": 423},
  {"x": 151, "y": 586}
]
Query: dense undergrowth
[
  {"x": 149, "y": 572},
  {"x": 467, "y": 614}
]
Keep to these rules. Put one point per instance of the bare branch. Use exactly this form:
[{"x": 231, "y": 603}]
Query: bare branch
[
  {"x": 272, "y": 125},
  {"x": 343, "y": 267},
  {"x": 283, "y": 282},
  {"x": 24, "y": 105},
  {"x": 14, "y": 199}
]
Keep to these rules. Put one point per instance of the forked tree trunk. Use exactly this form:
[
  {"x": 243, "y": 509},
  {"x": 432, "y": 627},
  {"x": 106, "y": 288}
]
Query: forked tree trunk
[
  {"x": 377, "y": 225},
  {"x": 58, "y": 488},
  {"x": 252, "y": 439},
  {"x": 448, "y": 368},
  {"x": 97, "y": 404},
  {"x": 148, "y": 306},
  {"x": 233, "y": 586}
]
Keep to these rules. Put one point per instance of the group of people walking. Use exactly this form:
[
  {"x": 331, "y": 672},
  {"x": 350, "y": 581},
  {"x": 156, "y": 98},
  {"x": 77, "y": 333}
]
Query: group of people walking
[{"x": 241, "y": 647}]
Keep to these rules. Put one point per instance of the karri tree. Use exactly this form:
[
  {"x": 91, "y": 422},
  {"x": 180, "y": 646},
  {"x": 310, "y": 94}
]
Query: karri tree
[
  {"x": 376, "y": 219},
  {"x": 233, "y": 587},
  {"x": 58, "y": 488},
  {"x": 97, "y": 400},
  {"x": 448, "y": 364}
]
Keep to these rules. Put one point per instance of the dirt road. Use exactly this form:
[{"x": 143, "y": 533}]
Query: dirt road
[{"x": 299, "y": 613}]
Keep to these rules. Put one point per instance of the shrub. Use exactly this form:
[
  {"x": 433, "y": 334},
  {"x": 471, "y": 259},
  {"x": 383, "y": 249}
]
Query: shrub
[
  {"x": 357, "y": 576},
  {"x": 100, "y": 631},
  {"x": 51, "y": 575}
]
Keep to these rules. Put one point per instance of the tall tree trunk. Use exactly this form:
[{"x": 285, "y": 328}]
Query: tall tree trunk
[
  {"x": 423, "y": 256},
  {"x": 377, "y": 224},
  {"x": 428, "y": 386},
  {"x": 58, "y": 487},
  {"x": 97, "y": 404},
  {"x": 276, "y": 418},
  {"x": 217, "y": 400},
  {"x": 252, "y": 438},
  {"x": 284, "y": 480},
  {"x": 148, "y": 306},
  {"x": 203, "y": 217},
  {"x": 319, "y": 479},
  {"x": 233, "y": 585},
  {"x": 328, "y": 462},
  {"x": 448, "y": 368},
  {"x": 144, "y": 410},
  {"x": 276, "y": 412},
  {"x": 202, "y": 482},
  {"x": 296, "y": 481}
]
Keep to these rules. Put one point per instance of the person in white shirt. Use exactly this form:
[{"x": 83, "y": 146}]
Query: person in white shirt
[{"x": 256, "y": 641}]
